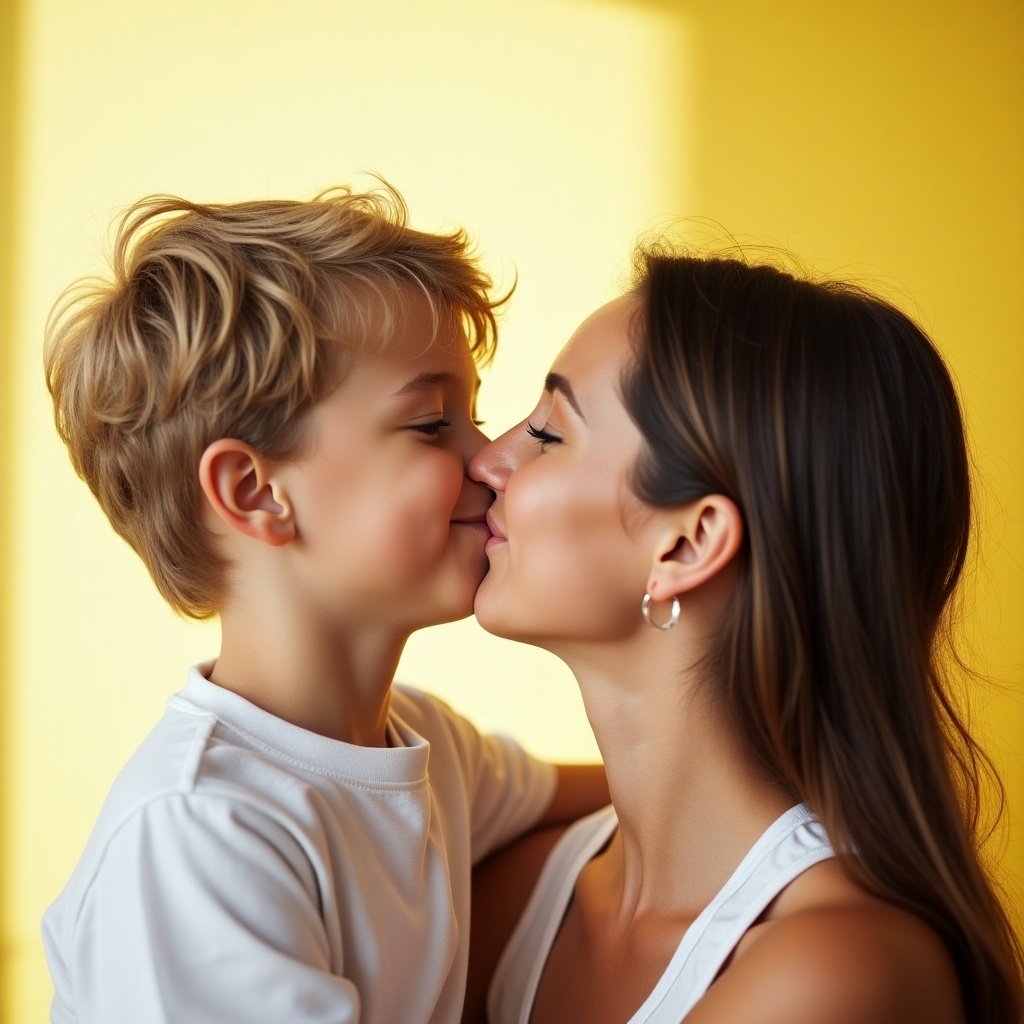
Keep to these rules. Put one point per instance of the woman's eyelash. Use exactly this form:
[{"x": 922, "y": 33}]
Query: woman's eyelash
[
  {"x": 432, "y": 429},
  {"x": 541, "y": 435}
]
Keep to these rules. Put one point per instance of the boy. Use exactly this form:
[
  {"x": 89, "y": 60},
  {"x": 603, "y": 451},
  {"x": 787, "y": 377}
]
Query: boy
[{"x": 274, "y": 404}]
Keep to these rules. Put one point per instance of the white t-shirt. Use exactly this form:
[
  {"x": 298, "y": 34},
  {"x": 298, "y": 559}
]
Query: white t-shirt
[
  {"x": 787, "y": 848},
  {"x": 244, "y": 869}
]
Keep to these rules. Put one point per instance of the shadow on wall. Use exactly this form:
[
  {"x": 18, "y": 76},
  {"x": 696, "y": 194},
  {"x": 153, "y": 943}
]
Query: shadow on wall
[
  {"x": 886, "y": 143},
  {"x": 856, "y": 141}
]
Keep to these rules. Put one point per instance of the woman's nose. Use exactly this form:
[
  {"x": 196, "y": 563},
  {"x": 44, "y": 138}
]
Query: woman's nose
[{"x": 495, "y": 462}]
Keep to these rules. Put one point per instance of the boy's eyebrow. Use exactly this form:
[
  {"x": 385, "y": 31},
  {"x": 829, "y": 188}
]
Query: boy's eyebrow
[
  {"x": 432, "y": 379},
  {"x": 556, "y": 382}
]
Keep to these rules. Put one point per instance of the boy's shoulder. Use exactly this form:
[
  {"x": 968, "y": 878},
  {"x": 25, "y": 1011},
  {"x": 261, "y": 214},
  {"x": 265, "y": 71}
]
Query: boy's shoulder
[
  {"x": 209, "y": 775},
  {"x": 456, "y": 744},
  {"x": 173, "y": 761},
  {"x": 166, "y": 762},
  {"x": 210, "y": 744},
  {"x": 210, "y": 747},
  {"x": 192, "y": 750},
  {"x": 193, "y": 757},
  {"x": 428, "y": 714}
]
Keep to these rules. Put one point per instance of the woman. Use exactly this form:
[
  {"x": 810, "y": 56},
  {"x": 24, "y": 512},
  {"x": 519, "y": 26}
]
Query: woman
[{"x": 739, "y": 513}]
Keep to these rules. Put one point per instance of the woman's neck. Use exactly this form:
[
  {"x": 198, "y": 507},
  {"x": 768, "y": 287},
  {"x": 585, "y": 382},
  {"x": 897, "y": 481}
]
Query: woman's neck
[{"x": 689, "y": 801}]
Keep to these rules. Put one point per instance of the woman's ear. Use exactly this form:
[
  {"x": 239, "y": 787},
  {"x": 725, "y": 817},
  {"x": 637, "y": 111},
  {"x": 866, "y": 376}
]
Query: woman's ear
[
  {"x": 700, "y": 539},
  {"x": 241, "y": 487}
]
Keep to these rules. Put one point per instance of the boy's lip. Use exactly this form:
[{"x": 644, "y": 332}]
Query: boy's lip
[
  {"x": 477, "y": 522},
  {"x": 480, "y": 518}
]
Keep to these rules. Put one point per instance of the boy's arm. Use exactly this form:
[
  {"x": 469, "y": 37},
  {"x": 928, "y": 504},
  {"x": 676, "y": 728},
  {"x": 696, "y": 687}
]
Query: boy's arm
[
  {"x": 507, "y": 791},
  {"x": 503, "y": 882},
  {"x": 580, "y": 789},
  {"x": 502, "y": 885}
]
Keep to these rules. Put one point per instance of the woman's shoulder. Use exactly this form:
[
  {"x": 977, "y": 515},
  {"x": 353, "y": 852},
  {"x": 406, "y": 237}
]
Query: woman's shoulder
[{"x": 829, "y": 953}]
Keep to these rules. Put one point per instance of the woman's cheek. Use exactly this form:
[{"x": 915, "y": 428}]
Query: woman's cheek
[{"x": 534, "y": 504}]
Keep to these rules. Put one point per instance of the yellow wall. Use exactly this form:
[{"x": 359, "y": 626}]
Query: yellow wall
[
  {"x": 8, "y": 130},
  {"x": 885, "y": 140}
]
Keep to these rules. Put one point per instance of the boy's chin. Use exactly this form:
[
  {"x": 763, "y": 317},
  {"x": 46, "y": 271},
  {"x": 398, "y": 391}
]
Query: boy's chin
[
  {"x": 455, "y": 607},
  {"x": 453, "y": 616}
]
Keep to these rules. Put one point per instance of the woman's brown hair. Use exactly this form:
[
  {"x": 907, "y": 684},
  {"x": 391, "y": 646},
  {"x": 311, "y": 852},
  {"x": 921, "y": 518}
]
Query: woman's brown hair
[{"x": 831, "y": 420}]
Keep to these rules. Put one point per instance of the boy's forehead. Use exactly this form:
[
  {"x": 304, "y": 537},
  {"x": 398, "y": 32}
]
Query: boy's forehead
[
  {"x": 412, "y": 324},
  {"x": 414, "y": 360},
  {"x": 412, "y": 343},
  {"x": 443, "y": 347}
]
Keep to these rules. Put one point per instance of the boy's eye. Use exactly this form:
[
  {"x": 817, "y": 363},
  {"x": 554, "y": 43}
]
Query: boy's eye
[{"x": 431, "y": 429}]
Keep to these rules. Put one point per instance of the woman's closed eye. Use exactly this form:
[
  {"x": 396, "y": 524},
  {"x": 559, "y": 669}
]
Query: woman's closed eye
[{"x": 541, "y": 435}]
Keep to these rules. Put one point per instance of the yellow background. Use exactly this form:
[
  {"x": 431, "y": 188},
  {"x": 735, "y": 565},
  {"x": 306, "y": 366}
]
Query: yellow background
[{"x": 880, "y": 139}]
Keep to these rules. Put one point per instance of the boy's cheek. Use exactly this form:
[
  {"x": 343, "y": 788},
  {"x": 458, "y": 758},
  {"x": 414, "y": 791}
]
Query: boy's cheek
[{"x": 437, "y": 484}]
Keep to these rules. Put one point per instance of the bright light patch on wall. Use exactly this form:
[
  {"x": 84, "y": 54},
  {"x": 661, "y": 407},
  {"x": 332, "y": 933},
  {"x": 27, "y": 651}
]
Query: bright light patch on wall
[{"x": 547, "y": 127}]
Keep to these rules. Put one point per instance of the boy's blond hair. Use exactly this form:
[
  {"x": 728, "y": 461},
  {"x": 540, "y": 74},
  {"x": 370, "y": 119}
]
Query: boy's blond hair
[{"x": 231, "y": 321}]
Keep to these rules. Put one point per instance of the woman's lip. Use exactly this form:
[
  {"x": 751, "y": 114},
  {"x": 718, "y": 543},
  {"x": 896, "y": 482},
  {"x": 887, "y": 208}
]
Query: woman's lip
[{"x": 496, "y": 534}]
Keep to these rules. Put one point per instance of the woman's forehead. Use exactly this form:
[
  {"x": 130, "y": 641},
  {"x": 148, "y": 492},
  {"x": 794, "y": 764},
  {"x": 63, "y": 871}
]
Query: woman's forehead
[{"x": 600, "y": 345}]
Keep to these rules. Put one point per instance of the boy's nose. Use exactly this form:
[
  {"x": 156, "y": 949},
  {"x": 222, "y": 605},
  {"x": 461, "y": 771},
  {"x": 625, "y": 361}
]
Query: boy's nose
[
  {"x": 495, "y": 462},
  {"x": 471, "y": 443}
]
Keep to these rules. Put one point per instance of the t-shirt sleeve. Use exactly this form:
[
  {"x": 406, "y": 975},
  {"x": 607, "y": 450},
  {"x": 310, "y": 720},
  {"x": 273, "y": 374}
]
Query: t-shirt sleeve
[
  {"x": 506, "y": 788},
  {"x": 512, "y": 790},
  {"x": 204, "y": 910}
]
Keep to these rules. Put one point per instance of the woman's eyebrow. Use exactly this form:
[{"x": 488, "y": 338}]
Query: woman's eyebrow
[{"x": 556, "y": 382}]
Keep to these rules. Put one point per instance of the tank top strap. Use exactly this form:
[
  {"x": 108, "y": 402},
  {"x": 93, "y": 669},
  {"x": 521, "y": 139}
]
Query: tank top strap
[
  {"x": 517, "y": 976},
  {"x": 789, "y": 846}
]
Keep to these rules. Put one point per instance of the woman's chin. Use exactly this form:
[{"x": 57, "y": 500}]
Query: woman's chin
[
  {"x": 500, "y": 611},
  {"x": 490, "y": 623},
  {"x": 490, "y": 615}
]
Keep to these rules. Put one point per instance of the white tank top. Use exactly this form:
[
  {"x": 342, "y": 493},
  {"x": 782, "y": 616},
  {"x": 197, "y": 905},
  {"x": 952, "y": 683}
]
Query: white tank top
[{"x": 793, "y": 843}]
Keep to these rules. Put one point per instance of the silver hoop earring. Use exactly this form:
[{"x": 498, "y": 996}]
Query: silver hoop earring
[{"x": 645, "y": 608}]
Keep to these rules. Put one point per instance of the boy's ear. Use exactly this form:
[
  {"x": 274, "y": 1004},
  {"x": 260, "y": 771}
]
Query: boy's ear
[
  {"x": 700, "y": 539},
  {"x": 242, "y": 489}
]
